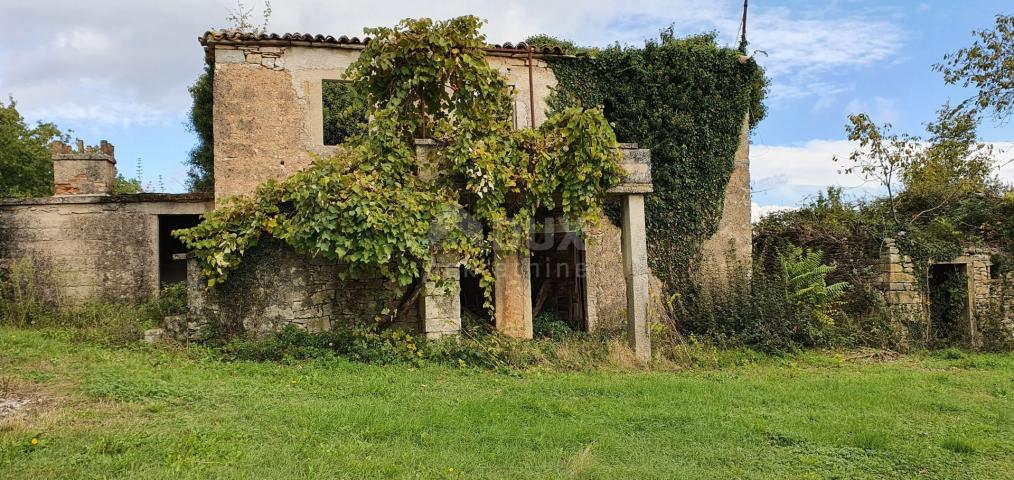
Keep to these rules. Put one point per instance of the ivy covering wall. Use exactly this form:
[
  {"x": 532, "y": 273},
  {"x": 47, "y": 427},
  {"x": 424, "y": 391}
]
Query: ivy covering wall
[{"x": 686, "y": 100}]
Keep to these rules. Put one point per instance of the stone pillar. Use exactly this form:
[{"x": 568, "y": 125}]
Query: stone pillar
[
  {"x": 635, "y": 269},
  {"x": 84, "y": 171},
  {"x": 513, "y": 295},
  {"x": 440, "y": 302}
]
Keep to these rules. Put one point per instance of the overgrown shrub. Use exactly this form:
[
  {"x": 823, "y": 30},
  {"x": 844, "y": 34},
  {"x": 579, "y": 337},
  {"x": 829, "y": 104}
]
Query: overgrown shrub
[
  {"x": 475, "y": 347},
  {"x": 772, "y": 309},
  {"x": 806, "y": 287},
  {"x": 358, "y": 343},
  {"x": 550, "y": 325}
]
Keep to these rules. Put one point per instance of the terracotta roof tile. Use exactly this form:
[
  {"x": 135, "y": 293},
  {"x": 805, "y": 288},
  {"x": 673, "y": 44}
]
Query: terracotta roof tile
[{"x": 234, "y": 37}]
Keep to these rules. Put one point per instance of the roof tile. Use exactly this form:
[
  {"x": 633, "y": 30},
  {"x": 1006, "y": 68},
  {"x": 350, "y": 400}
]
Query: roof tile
[{"x": 235, "y": 37}]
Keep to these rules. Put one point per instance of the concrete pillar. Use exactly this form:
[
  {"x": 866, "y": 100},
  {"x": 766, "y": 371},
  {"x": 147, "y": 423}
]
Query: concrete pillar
[
  {"x": 513, "y": 295},
  {"x": 635, "y": 269},
  {"x": 440, "y": 308}
]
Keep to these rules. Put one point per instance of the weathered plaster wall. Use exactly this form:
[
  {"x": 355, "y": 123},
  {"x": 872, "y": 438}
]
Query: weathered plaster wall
[
  {"x": 92, "y": 247},
  {"x": 730, "y": 248},
  {"x": 268, "y": 116},
  {"x": 606, "y": 286},
  {"x": 274, "y": 287},
  {"x": 515, "y": 69}
]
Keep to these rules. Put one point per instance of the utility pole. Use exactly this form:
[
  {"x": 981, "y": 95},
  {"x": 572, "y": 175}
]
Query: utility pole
[{"x": 742, "y": 35}]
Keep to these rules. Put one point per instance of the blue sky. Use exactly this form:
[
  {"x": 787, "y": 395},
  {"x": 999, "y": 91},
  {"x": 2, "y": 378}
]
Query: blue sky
[{"x": 118, "y": 69}]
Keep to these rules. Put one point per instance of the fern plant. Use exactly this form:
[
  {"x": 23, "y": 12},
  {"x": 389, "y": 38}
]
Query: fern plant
[{"x": 806, "y": 287}]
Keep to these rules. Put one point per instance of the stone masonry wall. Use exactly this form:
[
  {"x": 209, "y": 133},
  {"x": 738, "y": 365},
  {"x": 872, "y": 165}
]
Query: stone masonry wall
[
  {"x": 909, "y": 305},
  {"x": 92, "y": 247},
  {"x": 274, "y": 287},
  {"x": 84, "y": 171},
  {"x": 905, "y": 303}
]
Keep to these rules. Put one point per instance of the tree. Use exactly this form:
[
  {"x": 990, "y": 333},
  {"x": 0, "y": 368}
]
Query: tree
[
  {"x": 924, "y": 175},
  {"x": 126, "y": 185},
  {"x": 24, "y": 154},
  {"x": 952, "y": 165},
  {"x": 201, "y": 176},
  {"x": 988, "y": 66},
  {"x": 882, "y": 156}
]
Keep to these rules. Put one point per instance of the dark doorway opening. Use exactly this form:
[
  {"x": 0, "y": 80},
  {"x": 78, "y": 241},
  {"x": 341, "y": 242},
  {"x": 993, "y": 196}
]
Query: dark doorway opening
[
  {"x": 558, "y": 279},
  {"x": 169, "y": 270},
  {"x": 949, "y": 307},
  {"x": 473, "y": 299}
]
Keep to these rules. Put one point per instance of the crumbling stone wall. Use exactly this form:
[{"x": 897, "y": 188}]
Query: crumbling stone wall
[
  {"x": 275, "y": 286},
  {"x": 94, "y": 248},
  {"x": 909, "y": 304},
  {"x": 905, "y": 303},
  {"x": 998, "y": 308},
  {"x": 85, "y": 171}
]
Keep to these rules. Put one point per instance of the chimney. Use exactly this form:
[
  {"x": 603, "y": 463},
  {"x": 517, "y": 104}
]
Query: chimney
[{"x": 84, "y": 170}]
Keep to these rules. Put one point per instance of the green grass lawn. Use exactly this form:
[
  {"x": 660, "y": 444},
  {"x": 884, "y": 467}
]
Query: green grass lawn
[{"x": 155, "y": 413}]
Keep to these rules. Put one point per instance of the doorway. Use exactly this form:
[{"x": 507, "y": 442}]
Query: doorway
[
  {"x": 950, "y": 313},
  {"x": 558, "y": 272},
  {"x": 169, "y": 270}
]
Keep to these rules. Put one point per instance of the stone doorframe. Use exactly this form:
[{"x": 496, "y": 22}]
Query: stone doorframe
[{"x": 440, "y": 314}]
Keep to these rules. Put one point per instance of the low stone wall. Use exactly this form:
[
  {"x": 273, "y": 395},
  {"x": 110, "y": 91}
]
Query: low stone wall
[
  {"x": 274, "y": 287},
  {"x": 92, "y": 248}
]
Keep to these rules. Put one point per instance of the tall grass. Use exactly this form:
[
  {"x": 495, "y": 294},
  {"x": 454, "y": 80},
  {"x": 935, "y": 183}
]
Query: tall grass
[
  {"x": 20, "y": 293},
  {"x": 30, "y": 298}
]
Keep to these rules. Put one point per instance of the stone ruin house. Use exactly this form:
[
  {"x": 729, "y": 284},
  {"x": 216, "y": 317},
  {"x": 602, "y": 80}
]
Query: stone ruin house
[
  {"x": 924, "y": 309},
  {"x": 268, "y": 122}
]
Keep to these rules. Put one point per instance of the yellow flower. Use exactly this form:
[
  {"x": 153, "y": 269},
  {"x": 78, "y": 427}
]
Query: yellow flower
[
  {"x": 451, "y": 470},
  {"x": 35, "y": 441}
]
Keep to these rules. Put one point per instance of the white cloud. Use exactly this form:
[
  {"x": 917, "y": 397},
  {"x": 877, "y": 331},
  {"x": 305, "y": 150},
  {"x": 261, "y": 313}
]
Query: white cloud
[
  {"x": 124, "y": 61},
  {"x": 758, "y": 212},
  {"x": 791, "y": 174},
  {"x": 806, "y": 55},
  {"x": 809, "y": 164},
  {"x": 880, "y": 109}
]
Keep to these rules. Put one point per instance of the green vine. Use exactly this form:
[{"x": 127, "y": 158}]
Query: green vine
[
  {"x": 377, "y": 207},
  {"x": 685, "y": 99}
]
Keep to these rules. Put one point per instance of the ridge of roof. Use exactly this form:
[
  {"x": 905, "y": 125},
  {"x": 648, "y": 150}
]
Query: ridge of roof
[{"x": 236, "y": 37}]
